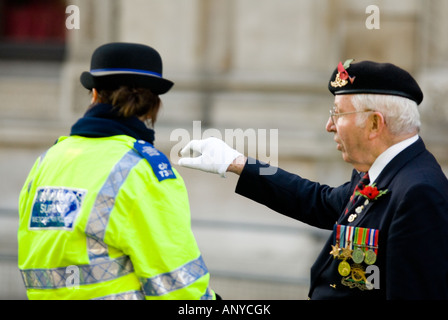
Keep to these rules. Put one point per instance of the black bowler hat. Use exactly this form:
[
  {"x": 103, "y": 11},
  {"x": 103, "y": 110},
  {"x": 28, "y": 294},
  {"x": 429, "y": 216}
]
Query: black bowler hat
[
  {"x": 376, "y": 78},
  {"x": 126, "y": 64}
]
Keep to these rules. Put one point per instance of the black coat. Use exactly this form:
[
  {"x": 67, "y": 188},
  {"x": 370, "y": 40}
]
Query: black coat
[{"x": 412, "y": 219}]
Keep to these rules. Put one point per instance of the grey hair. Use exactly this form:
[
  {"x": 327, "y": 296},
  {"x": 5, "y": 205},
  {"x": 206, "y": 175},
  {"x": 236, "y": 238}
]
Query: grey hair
[{"x": 401, "y": 114}]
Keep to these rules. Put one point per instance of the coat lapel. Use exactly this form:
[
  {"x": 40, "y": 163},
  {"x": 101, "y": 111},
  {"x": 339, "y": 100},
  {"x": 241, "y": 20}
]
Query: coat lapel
[{"x": 385, "y": 178}]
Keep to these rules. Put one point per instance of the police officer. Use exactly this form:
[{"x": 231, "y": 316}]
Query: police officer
[
  {"x": 103, "y": 215},
  {"x": 390, "y": 221}
]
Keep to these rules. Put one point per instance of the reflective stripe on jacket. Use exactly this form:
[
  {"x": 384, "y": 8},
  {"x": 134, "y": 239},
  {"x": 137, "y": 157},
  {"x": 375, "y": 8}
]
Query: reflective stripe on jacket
[{"x": 97, "y": 221}]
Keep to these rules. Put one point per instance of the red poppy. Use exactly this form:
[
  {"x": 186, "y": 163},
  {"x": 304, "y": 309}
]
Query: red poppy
[
  {"x": 343, "y": 74},
  {"x": 370, "y": 192}
]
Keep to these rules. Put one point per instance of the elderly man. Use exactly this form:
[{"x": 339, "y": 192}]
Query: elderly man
[{"x": 390, "y": 221}]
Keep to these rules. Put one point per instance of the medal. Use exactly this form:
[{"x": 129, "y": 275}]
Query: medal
[
  {"x": 352, "y": 217},
  {"x": 360, "y": 241},
  {"x": 370, "y": 257},
  {"x": 335, "y": 251},
  {"x": 361, "y": 246},
  {"x": 351, "y": 243},
  {"x": 358, "y": 274},
  {"x": 346, "y": 253},
  {"x": 358, "y": 255},
  {"x": 344, "y": 268}
]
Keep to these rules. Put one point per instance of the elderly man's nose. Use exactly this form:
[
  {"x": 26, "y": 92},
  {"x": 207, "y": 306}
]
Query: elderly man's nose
[{"x": 330, "y": 127}]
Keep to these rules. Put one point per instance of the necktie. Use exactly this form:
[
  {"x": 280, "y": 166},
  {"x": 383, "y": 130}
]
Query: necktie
[{"x": 365, "y": 180}]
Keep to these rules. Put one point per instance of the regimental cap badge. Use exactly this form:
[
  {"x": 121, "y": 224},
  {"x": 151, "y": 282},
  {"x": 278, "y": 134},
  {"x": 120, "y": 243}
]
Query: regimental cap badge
[
  {"x": 373, "y": 78},
  {"x": 342, "y": 76}
]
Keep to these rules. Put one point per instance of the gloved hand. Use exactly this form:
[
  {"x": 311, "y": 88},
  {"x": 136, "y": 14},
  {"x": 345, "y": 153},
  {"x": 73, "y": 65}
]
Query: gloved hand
[{"x": 209, "y": 155}]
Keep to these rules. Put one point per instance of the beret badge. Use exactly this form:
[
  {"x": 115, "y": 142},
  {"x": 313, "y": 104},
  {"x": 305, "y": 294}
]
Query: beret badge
[{"x": 342, "y": 77}]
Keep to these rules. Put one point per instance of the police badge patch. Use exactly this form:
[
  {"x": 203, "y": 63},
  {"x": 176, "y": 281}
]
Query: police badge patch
[
  {"x": 56, "y": 208},
  {"x": 158, "y": 161}
]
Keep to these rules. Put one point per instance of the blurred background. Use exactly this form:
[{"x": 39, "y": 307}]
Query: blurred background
[{"x": 237, "y": 64}]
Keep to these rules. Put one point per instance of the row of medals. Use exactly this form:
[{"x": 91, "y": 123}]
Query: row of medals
[{"x": 354, "y": 274}]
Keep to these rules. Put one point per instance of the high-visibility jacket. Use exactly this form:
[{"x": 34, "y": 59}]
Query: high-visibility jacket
[{"x": 108, "y": 218}]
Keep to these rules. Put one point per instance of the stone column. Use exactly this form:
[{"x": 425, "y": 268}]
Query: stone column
[
  {"x": 433, "y": 78},
  {"x": 100, "y": 22}
]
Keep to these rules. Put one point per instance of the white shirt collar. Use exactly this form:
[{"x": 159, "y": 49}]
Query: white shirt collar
[{"x": 384, "y": 158}]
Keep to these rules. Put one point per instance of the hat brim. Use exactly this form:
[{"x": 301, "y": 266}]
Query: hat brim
[{"x": 155, "y": 84}]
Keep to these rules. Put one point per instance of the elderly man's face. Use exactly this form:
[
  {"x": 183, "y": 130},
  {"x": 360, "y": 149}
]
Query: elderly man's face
[{"x": 352, "y": 140}]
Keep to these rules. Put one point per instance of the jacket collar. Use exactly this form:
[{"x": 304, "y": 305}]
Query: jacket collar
[
  {"x": 383, "y": 159},
  {"x": 399, "y": 162},
  {"x": 103, "y": 121},
  {"x": 388, "y": 173}
]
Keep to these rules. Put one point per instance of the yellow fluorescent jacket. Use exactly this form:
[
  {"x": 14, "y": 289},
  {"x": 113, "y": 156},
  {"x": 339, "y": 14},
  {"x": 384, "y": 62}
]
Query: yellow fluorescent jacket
[{"x": 98, "y": 220}]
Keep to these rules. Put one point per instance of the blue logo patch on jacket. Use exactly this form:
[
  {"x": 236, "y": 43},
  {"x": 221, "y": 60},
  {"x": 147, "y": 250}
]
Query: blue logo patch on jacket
[
  {"x": 158, "y": 161},
  {"x": 56, "y": 208}
]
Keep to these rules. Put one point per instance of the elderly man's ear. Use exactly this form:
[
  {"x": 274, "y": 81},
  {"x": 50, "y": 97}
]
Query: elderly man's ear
[{"x": 377, "y": 124}]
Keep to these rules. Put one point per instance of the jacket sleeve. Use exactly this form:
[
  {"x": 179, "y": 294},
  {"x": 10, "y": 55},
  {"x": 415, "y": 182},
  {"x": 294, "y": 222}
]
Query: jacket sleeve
[
  {"x": 152, "y": 220},
  {"x": 289, "y": 194}
]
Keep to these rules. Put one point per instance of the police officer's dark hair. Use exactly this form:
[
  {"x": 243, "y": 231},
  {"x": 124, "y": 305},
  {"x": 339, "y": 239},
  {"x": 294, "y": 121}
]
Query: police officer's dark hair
[{"x": 130, "y": 101}]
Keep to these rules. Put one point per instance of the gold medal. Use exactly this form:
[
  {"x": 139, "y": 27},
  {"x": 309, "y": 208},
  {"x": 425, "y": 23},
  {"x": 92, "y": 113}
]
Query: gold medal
[
  {"x": 370, "y": 257},
  {"x": 335, "y": 250},
  {"x": 358, "y": 274},
  {"x": 344, "y": 268},
  {"x": 358, "y": 255},
  {"x": 346, "y": 253}
]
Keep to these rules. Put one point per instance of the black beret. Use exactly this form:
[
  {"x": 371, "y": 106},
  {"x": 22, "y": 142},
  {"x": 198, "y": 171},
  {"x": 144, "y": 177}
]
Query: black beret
[{"x": 376, "y": 78}]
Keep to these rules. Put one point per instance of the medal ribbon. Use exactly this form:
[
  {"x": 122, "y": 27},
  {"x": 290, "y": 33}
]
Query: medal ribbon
[
  {"x": 373, "y": 239},
  {"x": 349, "y": 237},
  {"x": 361, "y": 237},
  {"x": 337, "y": 230},
  {"x": 341, "y": 236}
]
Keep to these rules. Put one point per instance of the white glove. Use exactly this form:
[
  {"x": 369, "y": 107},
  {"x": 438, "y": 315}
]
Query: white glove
[{"x": 210, "y": 155}]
